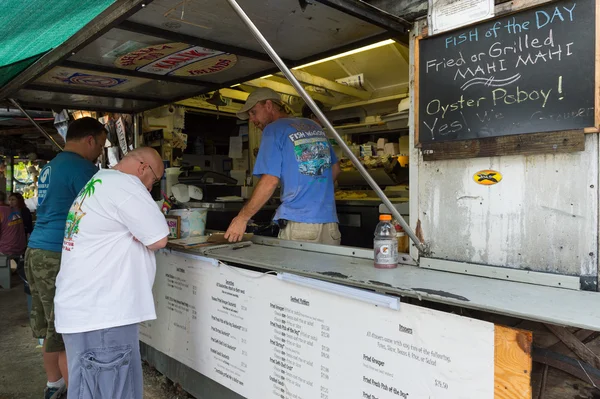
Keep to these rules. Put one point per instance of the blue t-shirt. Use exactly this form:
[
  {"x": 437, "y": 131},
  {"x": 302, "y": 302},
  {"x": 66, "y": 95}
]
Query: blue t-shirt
[
  {"x": 59, "y": 183},
  {"x": 297, "y": 151}
]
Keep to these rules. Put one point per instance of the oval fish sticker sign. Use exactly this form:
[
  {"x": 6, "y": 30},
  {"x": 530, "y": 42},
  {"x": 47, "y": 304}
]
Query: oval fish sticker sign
[{"x": 487, "y": 177}]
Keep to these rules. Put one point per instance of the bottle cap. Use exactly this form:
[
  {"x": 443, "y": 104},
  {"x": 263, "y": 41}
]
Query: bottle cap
[{"x": 385, "y": 217}]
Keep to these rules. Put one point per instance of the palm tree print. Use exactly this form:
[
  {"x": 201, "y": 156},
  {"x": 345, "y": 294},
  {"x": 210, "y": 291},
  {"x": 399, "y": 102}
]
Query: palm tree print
[
  {"x": 76, "y": 213},
  {"x": 89, "y": 189}
]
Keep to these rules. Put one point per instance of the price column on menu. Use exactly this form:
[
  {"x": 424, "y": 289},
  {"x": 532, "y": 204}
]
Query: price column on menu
[
  {"x": 300, "y": 347},
  {"x": 228, "y": 330}
]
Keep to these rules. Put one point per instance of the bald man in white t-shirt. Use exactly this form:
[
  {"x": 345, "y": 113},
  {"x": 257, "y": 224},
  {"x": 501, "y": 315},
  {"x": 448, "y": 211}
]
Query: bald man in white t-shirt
[{"x": 104, "y": 287}]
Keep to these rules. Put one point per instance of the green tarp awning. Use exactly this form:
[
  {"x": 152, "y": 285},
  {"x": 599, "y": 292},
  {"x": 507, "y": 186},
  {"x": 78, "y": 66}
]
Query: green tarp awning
[{"x": 30, "y": 28}]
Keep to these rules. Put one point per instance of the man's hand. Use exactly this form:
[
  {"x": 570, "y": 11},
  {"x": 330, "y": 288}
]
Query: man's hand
[{"x": 237, "y": 228}]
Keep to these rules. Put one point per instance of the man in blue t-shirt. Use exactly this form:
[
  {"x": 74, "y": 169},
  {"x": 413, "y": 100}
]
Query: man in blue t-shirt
[
  {"x": 60, "y": 181},
  {"x": 296, "y": 153}
]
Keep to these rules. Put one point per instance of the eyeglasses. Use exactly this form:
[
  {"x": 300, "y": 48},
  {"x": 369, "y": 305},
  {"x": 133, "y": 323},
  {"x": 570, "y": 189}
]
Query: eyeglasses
[{"x": 156, "y": 178}]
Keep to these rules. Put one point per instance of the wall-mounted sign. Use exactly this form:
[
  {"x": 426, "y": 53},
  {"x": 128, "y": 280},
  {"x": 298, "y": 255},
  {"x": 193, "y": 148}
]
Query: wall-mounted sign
[
  {"x": 177, "y": 59},
  {"x": 97, "y": 80},
  {"x": 87, "y": 79},
  {"x": 450, "y": 14},
  {"x": 487, "y": 177},
  {"x": 529, "y": 72}
]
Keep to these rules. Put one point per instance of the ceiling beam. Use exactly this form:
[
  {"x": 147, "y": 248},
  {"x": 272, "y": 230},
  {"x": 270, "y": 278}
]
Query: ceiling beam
[
  {"x": 202, "y": 104},
  {"x": 234, "y": 94},
  {"x": 373, "y": 15},
  {"x": 369, "y": 102},
  {"x": 318, "y": 81},
  {"x": 22, "y": 130},
  {"x": 92, "y": 92},
  {"x": 106, "y": 20},
  {"x": 89, "y": 107},
  {"x": 193, "y": 40},
  {"x": 287, "y": 89},
  {"x": 137, "y": 74}
]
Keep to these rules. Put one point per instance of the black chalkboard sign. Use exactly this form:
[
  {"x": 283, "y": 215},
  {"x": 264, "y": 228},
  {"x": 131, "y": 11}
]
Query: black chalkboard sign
[{"x": 529, "y": 72}]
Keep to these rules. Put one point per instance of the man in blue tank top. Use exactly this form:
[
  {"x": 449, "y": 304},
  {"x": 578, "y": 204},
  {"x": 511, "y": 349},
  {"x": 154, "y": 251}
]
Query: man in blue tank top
[
  {"x": 295, "y": 153},
  {"x": 58, "y": 184}
]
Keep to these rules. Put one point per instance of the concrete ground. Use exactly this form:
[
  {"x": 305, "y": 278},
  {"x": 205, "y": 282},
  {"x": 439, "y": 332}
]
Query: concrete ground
[{"x": 21, "y": 372}]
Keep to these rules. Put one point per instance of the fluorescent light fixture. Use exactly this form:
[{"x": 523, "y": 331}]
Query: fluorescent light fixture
[
  {"x": 265, "y": 77},
  {"x": 337, "y": 289},
  {"x": 347, "y": 53},
  {"x": 235, "y": 85}
]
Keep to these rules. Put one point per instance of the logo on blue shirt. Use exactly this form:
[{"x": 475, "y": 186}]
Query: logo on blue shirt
[{"x": 44, "y": 183}]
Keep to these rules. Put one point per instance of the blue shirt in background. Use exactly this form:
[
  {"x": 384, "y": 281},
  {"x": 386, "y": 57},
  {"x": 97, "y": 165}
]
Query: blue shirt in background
[
  {"x": 297, "y": 151},
  {"x": 59, "y": 183}
]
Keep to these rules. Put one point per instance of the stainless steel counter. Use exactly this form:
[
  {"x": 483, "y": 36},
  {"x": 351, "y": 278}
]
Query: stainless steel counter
[
  {"x": 225, "y": 206},
  {"x": 354, "y": 267}
]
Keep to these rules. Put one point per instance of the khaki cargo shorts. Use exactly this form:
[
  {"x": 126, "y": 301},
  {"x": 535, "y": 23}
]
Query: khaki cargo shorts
[
  {"x": 326, "y": 233},
  {"x": 41, "y": 268}
]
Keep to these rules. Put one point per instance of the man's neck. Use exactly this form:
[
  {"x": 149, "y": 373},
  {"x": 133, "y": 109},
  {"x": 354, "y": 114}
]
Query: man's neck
[
  {"x": 75, "y": 148},
  {"x": 279, "y": 115}
]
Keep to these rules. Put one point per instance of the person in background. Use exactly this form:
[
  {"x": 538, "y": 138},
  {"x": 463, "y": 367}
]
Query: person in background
[
  {"x": 296, "y": 153},
  {"x": 16, "y": 200},
  {"x": 104, "y": 287},
  {"x": 12, "y": 233},
  {"x": 60, "y": 181}
]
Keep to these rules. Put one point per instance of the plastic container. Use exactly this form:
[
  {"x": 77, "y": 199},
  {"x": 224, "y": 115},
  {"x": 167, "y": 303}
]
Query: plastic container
[
  {"x": 385, "y": 244},
  {"x": 193, "y": 221},
  {"x": 172, "y": 176},
  {"x": 402, "y": 238}
]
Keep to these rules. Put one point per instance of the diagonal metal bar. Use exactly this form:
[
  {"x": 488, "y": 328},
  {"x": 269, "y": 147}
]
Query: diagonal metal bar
[
  {"x": 138, "y": 74},
  {"x": 41, "y": 129},
  {"x": 317, "y": 111}
]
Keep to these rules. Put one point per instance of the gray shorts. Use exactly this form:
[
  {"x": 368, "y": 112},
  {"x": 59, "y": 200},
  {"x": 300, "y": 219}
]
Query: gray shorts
[{"x": 105, "y": 364}]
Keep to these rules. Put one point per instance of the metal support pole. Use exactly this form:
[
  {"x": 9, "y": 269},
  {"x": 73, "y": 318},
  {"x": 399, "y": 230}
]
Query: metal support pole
[
  {"x": 41, "y": 129},
  {"x": 290, "y": 76},
  {"x": 136, "y": 130}
]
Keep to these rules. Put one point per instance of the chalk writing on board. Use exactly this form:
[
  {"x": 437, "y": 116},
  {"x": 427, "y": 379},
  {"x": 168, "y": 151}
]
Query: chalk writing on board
[{"x": 530, "y": 72}]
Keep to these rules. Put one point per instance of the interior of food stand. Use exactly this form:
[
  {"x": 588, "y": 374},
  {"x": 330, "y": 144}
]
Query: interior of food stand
[{"x": 356, "y": 70}]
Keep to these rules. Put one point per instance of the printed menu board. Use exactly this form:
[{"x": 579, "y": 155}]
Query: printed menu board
[{"x": 267, "y": 338}]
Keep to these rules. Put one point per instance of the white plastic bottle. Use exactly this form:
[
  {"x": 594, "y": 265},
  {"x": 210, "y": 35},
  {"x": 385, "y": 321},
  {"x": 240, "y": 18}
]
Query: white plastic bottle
[{"x": 385, "y": 244}]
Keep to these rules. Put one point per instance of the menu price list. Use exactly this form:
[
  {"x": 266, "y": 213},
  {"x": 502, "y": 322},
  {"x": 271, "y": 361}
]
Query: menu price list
[
  {"x": 228, "y": 330},
  {"x": 265, "y": 338},
  {"x": 299, "y": 350}
]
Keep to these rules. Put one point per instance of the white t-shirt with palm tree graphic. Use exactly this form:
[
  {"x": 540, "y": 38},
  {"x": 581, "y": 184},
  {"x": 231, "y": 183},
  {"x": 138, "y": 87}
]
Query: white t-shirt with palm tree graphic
[{"x": 106, "y": 275}]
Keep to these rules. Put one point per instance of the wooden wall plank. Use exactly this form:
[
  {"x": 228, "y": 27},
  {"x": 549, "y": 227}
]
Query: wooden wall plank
[
  {"x": 525, "y": 144},
  {"x": 416, "y": 77},
  {"x": 512, "y": 363},
  {"x": 574, "y": 344}
]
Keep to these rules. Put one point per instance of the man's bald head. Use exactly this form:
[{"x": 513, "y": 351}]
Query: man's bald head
[{"x": 144, "y": 163}]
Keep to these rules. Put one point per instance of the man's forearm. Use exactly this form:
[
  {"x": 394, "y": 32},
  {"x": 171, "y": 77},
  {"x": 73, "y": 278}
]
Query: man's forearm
[
  {"x": 264, "y": 190},
  {"x": 336, "y": 170}
]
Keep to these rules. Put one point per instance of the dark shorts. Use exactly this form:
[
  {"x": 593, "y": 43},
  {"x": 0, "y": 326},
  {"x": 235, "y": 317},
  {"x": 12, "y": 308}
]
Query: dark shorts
[
  {"x": 41, "y": 269},
  {"x": 105, "y": 364}
]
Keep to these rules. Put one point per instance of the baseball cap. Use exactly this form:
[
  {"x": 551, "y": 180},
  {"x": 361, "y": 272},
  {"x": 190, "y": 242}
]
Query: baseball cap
[{"x": 262, "y": 94}]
